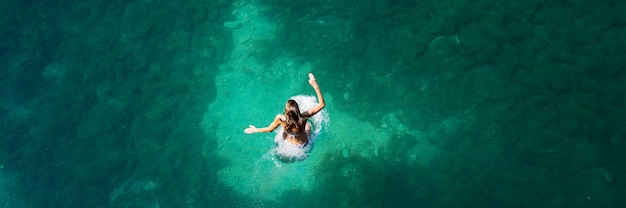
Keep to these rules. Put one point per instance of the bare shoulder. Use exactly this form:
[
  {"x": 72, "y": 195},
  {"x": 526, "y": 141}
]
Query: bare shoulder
[{"x": 280, "y": 117}]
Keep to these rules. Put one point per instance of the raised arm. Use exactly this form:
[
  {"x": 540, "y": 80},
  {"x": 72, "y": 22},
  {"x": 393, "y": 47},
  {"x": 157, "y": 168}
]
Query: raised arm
[
  {"x": 320, "y": 98},
  {"x": 252, "y": 129}
]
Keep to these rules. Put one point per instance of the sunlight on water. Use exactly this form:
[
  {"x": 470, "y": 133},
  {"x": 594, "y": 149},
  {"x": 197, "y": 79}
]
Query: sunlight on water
[{"x": 249, "y": 93}]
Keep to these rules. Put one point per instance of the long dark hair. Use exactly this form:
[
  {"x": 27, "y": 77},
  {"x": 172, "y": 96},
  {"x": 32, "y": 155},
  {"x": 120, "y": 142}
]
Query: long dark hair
[{"x": 295, "y": 120}]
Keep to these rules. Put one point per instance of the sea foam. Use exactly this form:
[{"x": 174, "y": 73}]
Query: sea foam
[{"x": 319, "y": 122}]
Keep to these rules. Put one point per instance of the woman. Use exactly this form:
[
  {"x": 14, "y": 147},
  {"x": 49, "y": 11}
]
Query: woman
[{"x": 297, "y": 130}]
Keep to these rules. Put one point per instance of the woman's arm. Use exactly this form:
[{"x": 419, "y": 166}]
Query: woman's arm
[
  {"x": 252, "y": 129},
  {"x": 320, "y": 98}
]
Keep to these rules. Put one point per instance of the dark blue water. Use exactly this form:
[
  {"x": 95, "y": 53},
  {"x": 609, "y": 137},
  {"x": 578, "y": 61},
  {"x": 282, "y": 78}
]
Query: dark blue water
[{"x": 429, "y": 104}]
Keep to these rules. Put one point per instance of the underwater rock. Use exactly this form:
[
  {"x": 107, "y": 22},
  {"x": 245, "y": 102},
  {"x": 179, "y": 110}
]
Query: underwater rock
[
  {"x": 134, "y": 193},
  {"x": 54, "y": 72},
  {"x": 345, "y": 153}
]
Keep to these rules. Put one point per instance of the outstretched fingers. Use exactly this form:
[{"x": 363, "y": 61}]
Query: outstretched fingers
[
  {"x": 250, "y": 129},
  {"x": 312, "y": 80}
]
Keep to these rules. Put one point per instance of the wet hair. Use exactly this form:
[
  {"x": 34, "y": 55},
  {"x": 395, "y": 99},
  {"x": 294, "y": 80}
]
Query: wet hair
[{"x": 295, "y": 120}]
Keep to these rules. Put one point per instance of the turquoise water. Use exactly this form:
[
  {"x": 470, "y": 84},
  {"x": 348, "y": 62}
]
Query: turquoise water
[{"x": 429, "y": 103}]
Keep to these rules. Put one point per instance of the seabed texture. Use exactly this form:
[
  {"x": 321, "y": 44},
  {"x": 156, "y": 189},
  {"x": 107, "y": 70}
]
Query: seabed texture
[{"x": 143, "y": 103}]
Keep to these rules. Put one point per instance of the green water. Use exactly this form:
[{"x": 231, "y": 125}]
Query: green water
[{"x": 430, "y": 103}]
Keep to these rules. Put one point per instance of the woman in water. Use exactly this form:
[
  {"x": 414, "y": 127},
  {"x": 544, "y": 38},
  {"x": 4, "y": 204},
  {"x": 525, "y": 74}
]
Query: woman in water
[{"x": 296, "y": 128}]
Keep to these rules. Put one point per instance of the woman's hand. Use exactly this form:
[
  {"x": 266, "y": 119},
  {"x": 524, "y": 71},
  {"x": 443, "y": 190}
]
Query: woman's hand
[
  {"x": 320, "y": 98},
  {"x": 250, "y": 130},
  {"x": 312, "y": 81}
]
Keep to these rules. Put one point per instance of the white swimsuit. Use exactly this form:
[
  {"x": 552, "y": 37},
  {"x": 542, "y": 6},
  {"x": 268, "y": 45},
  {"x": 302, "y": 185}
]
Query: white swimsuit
[{"x": 293, "y": 135}]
